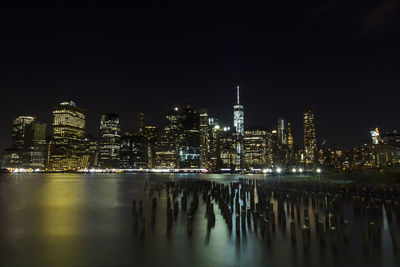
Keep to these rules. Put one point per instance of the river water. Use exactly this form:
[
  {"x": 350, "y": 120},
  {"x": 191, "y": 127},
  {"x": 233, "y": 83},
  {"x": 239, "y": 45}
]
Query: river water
[{"x": 86, "y": 220}]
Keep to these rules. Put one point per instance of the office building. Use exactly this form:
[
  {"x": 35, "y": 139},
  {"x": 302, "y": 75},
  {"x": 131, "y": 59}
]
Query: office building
[
  {"x": 166, "y": 152},
  {"x": 134, "y": 151},
  {"x": 310, "y": 142},
  {"x": 140, "y": 122},
  {"x": 205, "y": 140},
  {"x": 110, "y": 141},
  {"x": 28, "y": 144},
  {"x": 189, "y": 139},
  {"x": 238, "y": 123},
  {"x": 67, "y": 144},
  {"x": 255, "y": 148}
]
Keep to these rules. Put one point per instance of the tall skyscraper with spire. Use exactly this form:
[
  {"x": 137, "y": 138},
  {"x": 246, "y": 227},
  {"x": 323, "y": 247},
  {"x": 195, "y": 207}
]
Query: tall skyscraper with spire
[{"x": 238, "y": 123}]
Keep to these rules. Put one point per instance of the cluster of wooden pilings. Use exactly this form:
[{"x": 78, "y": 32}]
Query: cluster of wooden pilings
[
  {"x": 308, "y": 210},
  {"x": 139, "y": 221}
]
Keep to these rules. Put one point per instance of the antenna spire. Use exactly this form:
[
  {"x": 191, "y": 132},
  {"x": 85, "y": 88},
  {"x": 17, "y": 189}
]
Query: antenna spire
[
  {"x": 188, "y": 98},
  {"x": 237, "y": 94}
]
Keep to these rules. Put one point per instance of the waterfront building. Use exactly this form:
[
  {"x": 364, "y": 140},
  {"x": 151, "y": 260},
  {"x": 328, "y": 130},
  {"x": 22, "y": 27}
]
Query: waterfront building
[
  {"x": 255, "y": 143},
  {"x": 285, "y": 144},
  {"x": 21, "y": 133},
  {"x": 33, "y": 156},
  {"x": 11, "y": 159},
  {"x": 92, "y": 151},
  {"x": 282, "y": 136},
  {"x": 204, "y": 140},
  {"x": 165, "y": 155},
  {"x": 166, "y": 152},
  {"x": 110, "y": 141},
  {"x": 214, "y": 134},
  {"x": 238, "y": 123},
  {"x": 289, "y": 147},
  {"x": 310, "y": 142},
  {"x": 67, "y": 143},
  {"x": 28, "y": 144},
  {"x": 362, "y": 157},
  {"x": 189, "y": 139},
  {"x": 330, "y": 158},
  {"x": 290, "y": 139},
  {"x": 134, "y": 151},
  {"x": 276, "y": 157},
  {"x": 151, "y": 134},
  {"x": 227, "y": 149},
  {"x": 389, "y": 148}
]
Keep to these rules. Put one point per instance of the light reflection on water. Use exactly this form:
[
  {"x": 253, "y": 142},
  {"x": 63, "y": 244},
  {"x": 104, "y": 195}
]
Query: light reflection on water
[{"x": 86, "y": 220}]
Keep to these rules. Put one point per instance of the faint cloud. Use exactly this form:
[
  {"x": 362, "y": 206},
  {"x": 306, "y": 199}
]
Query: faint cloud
[
  {"x": 382, "y": 15},
  {"x": 367, "y": 17}
]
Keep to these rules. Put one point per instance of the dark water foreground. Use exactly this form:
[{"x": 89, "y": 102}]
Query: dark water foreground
[{"x": 87, "y": 220}]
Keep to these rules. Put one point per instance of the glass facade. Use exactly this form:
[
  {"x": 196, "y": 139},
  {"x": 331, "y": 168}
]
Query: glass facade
[
  {"x": 110, "y": 141},
  {"x": 310, "y": 142},
  {"x": 28, "y": 144},
  {"x": 255, "y": 148},
  {"x": 238, "y": 123},
  {"x": 67, "y": 148}
]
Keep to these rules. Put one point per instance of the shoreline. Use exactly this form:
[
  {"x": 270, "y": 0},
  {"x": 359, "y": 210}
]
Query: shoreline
[{"x": 344, "y": 177}]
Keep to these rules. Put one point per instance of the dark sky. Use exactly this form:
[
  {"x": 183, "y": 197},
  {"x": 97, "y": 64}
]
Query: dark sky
[{"x": 341, "y": 57}]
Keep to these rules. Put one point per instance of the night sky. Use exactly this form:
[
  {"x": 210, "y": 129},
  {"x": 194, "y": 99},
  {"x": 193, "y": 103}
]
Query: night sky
[{"x": 341, "y": 57}]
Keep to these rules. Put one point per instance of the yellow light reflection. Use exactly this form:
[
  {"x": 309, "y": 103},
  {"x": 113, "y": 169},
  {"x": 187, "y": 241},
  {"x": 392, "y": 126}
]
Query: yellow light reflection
[{"x": 61, "y": 205}]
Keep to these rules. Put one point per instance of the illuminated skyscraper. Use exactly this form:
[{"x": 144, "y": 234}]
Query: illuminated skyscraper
[
  {"x": 238, "y": 116},
  {"x": 166, "y": 155},
  {"x": 92, "y": 151},
  {"x": 228, "y": 148},
  {"x": 310, "y": 142},
  {"x": 282, "y": 138},
  {"x": 255, "y": 148},
  {"x": 205, "y": 140},
  {"x": 189, "y": 139},
  {"x": 21, "y": 131},
  {"x": 289, "y": 142},
  {"x": 134, "y": 151},
  {"x": 34, "y": 154},
  {"x": 151, "y": 133},
  {"x": 238, "y": 123},
  {"x": 140, "y": 122},
  {"x": 274, "y": 153},
  {"x": 67, "y": 145},
  {"x": 214, "y": 133},
  {"x": 375, "y": 136},
  {"x": 28, "y": 144},
  {"x": 110, "y": 141}
]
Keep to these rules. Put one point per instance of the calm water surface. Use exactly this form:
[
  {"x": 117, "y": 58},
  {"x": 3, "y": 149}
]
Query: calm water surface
[{"x": 86, "y": 220}]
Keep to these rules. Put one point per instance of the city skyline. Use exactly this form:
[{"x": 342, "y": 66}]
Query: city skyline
[
  {"x": 181, "y": 133},
  {"x": 133, "y": 120},
  {"x": 190, "y": 138},
  {"x": 147, "y": 60}
]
